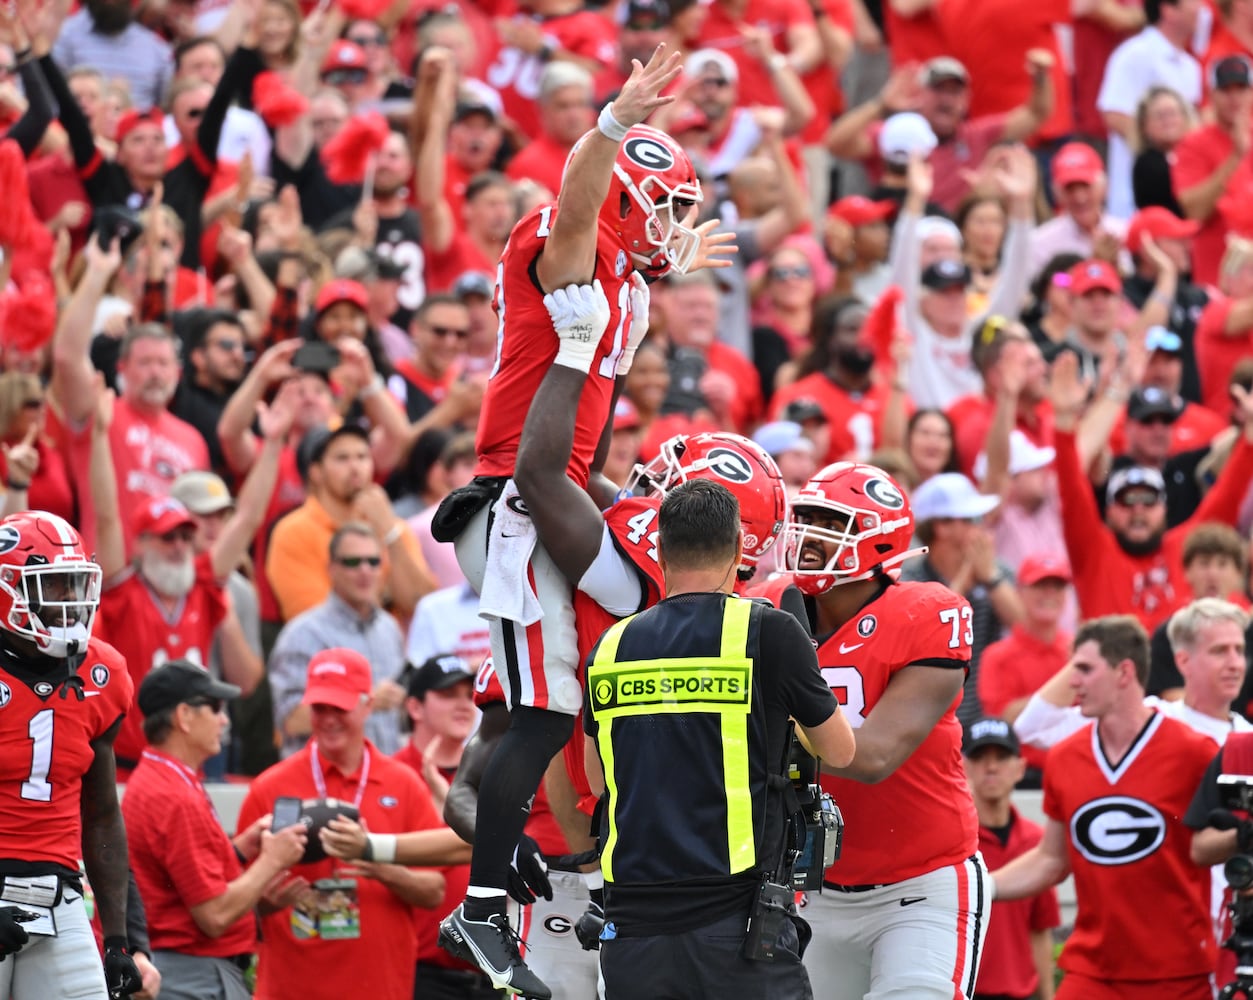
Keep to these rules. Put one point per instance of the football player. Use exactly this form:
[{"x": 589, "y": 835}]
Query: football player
[
  {"x": 904, "y": 910},
  {"x": 62, "y": 698},
  {"x": 621, "y": 218}
]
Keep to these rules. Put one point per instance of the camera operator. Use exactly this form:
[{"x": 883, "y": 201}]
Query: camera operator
[
  {"x": 1224, "y": 835},
  {"x": 686, "y": 711}
]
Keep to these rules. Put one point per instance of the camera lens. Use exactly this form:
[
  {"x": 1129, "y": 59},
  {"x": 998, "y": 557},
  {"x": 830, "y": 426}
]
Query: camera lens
[{"x": 1239, "y": 872}]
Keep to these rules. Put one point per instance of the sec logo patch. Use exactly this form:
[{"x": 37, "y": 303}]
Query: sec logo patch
[
  {"x": 5, "y": 694},
  {"x": 867, "y": 625}
]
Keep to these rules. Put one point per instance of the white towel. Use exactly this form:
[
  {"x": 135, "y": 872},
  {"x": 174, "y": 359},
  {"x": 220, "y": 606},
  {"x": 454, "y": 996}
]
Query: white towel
[{"x": 507, "y": 592}]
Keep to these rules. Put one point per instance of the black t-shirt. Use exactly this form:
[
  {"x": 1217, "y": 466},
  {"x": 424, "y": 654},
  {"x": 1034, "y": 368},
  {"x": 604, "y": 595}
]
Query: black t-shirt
[
  {"x": 1206, "y": 798},
  {"x": 1185, "y": 313}
]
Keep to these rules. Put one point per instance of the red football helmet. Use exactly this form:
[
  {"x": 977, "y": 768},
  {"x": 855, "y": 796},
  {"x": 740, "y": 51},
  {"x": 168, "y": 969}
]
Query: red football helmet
[
  {"x": 653, "y": 187},
  {"x": 737, "y": 463},
  {"x": 49, "y": 588},
  {"x": 871, "y": 529}
]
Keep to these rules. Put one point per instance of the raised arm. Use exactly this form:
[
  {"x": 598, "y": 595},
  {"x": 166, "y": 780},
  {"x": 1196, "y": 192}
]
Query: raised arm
[
  {"x": 110, "y": 543},
  {"x": 1025, "y": 119},
  {"x": 235, "y": 425},
  {"x": 570, "y": 252},
  {"x": 433, "y": 103},
  {"x": 72, "y": 372}
]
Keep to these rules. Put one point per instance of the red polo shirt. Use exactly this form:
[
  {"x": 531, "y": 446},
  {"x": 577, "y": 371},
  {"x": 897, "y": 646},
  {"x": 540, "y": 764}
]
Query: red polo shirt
[
  {"x": 181, "y": 857},
  {"x": 1217, "y": 354},
  {"x": 380, "y": 963},
  {"x": 456, "y": 880},
  {"x": 1007, "y": 968},
  {"x": 1016, "y": 667}
]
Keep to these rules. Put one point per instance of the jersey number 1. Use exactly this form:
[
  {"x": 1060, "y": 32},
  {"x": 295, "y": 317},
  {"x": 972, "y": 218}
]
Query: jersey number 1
[{"x": 37, "y": 787}]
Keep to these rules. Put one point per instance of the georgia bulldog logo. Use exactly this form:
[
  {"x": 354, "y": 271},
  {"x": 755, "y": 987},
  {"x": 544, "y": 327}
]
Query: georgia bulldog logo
[{"x": 1117, "y": 830}]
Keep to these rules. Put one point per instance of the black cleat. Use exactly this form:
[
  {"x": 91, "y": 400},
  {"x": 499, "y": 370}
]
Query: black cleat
[{"x": 492, "y": 945}]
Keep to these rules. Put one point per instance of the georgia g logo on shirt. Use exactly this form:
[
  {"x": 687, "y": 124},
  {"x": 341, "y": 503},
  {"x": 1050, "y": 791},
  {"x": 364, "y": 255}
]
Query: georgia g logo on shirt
[{"x": 1117, "y": 830}]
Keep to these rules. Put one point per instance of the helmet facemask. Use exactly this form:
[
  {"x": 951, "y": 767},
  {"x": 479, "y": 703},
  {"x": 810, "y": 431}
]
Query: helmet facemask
[
  {"x": 666, "y": 211},
  {"x": 53, "y": 605},
  {"x": 844, "y": 564}
]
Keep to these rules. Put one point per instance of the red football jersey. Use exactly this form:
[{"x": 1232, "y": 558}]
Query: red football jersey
[
  {"x": 1143, "y": 905},
  {"x": 526, "y": 345},
  {"x": 132, "y": 618},
  {"x": 542, "y": 824},
  {"x": 46, "y": 733},
  {"x": 921, "y": 817},
  {"x": 632, "y": 524}
]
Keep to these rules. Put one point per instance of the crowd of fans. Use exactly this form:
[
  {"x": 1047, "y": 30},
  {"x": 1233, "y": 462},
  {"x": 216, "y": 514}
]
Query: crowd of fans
[{"x": 250, "y": 249}]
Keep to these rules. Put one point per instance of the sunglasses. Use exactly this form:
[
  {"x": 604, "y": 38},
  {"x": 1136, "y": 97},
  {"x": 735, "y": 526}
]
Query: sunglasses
[
  {"x": 227, "y": 344},
  {"x": 783, "y": 273},
  {"x": 32, "y": 404},
  {"x": 1138, "y": 498},
  {"x": 450, "y": 331},
  {"x": 369, "y": 41},
  {"x": 339, "y": 77},
  {"x": 356, "y": 562},
  {"x": 714, "y": 81},
  {"x": 213, "y": 703}
]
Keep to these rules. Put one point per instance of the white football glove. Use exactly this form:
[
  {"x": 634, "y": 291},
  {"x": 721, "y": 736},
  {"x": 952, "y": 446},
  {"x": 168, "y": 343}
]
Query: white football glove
[
  {"x": 640, "y": 299},
  {"x": 580, "y": 314}
]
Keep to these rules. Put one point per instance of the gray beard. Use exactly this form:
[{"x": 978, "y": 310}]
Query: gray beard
[{"x": 166, "y": 578}]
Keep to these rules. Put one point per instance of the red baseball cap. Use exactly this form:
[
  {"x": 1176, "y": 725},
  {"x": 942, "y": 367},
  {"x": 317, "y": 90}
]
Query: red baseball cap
[
  {"x": 345, "y": 55},
  {"x": 1160, "y": 223},
  {"x": 338, "y": 677},
  {"x": 625, "y": 416},
  {"x": 128, "y": 121},
  {"x": 1076, "y": 163},
  {"x": 860, "y": 211},
  {"x": 160, "y": 516},
  {"x": 341, "y": 290},
  {"x": 1090, "y": 275},
  {"x": 1037, "y": 568}
]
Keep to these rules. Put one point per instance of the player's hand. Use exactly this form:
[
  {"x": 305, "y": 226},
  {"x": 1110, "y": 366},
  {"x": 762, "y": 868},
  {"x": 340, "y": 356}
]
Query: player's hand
[
  {"x": 641, "y": 299},
  {"x": 12, "y": 935},
  {"x": 580, "y": 314},
  {"x": 640, "y": 95},
  {"x": 343, "y": 838},
  {"x": 715, "y": 249},
  {"x": 120, "y": 974},
  {"x": 528, "y": 873},
  {"x": 150, "y": 975},
  {"x": 589, "y": 925}
]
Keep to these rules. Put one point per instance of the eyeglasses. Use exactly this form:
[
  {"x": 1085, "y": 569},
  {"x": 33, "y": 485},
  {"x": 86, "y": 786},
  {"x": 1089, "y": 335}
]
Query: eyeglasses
[
  {"x": 714, "y": 81},
  {"x": 213, "y": 703},
  {"x": 368, "y": 41},
  {"x": 356, "y": 562},
  {"x": 227, "y": 344},
  {"x": 1138, "y": 498},
  {"x": 449, "y": 331},
  {"x": 32, "y": 404},
  {"x": 339, "y": 77},
  {"x": 1158, "y": 419},
  {"x": 783, "y": 273}
]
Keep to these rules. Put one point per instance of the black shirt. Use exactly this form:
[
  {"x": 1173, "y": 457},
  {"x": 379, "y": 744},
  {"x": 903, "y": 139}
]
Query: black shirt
[{"x": 1185, "y": 313}]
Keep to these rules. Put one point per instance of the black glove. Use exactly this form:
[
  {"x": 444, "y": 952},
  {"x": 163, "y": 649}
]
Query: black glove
[
  {"x": 12, "y": 936},
  {"x": 528, "y": 873},
  {"x": 588, "y": 927},
  {"x": 120, "y": 974}
]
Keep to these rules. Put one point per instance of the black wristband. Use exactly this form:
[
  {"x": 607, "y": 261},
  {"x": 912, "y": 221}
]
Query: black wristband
[
  {"x": 14, "y": 485},
  {"x": 117, "y": 943}
]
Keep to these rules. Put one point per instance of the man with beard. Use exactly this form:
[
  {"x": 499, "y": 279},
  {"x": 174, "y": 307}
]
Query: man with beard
[
  {"x": 217, "y": 344},
  {"x": 839, "y": 375},
  {"x": 1129, "y": 563},
  {"x": 105, "y": 35},
  {"x": 392, "y": 225},
  {"x": 167, "y": 603}
]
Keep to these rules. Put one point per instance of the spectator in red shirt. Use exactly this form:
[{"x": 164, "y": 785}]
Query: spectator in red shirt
[
  {"x": 1129, "y": 562},
  {"x": 198, "y": 895},
  {"x": 1224, "y": 334},
  {"x": 1018, "y": 950},
  {"x": 565, "y": 113},
  {"x": 1013, "y": 668},
  {"x": 1205, "y": 163}
]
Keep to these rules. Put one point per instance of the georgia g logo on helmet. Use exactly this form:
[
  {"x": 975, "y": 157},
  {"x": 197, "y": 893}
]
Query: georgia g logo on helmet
[
  {"x": 730, "y": 465},
  {"x": 648, "y": 153},
  {"x": 885, "y": 494}
]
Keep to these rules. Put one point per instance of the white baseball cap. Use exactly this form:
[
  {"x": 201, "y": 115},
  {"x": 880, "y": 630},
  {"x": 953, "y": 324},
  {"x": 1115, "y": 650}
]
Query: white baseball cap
[
  {"x": 700, "y": 60},
  {"x": 1024, "y": 456},
  {"x": 782, "y": 436},
  {"x": 906, "y": 133},
  {"x": 951, "y": 494}
]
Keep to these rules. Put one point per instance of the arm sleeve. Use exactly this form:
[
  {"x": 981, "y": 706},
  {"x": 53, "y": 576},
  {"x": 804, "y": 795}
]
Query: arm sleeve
[
  {"x": 612, "y": 580},
  {"x": 240, "y": 71},
  {"x": 1222, "y": 502},
  {"x": 1205, "y": 800},
  {"x": 1081, "y": 521},
  {"x": 136, "y": 917},
  {"x": 1042, "y": 725},
  {"x": 28, "y": 131},
  {"x": 791, "y": 660},
  {"x": 1011, "y": 286}
]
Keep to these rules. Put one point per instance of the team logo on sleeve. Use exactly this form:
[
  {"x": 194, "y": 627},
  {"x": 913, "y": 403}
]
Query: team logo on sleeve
[
  {"x": 5, "y": 694},
  {"x": 100, "y": 675},
  {"x": 1117, "y": 830},
  {"x": 867, "y": 625},
  {"x": 730, "y": 465}
]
